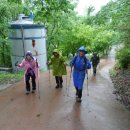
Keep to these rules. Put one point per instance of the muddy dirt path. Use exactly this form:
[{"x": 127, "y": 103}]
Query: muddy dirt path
[{"x": 57, "y": 111}]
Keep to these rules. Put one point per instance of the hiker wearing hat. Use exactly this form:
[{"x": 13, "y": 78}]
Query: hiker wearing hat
[
  {"x": 58, "y": 66},
  {"x": 30, "y": 66},
  {"x": 80, "y": 65},
  {"x": 95, "y": 61}
]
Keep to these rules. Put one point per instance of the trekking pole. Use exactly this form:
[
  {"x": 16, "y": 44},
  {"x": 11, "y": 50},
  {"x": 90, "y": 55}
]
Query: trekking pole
[
  {"x": 66, "y": 81},
  {"x": 16, "y": 64},
  {"x": 69, "y": 81},
  {"x": 49, "y": 76},
  {"x": 38, "y": 80},
  {"x": 66, "y": 77},
  {"x": 48, "y": 68},
  {"x": 87, "y": 83},
  {"x": 16, "y": 69}
]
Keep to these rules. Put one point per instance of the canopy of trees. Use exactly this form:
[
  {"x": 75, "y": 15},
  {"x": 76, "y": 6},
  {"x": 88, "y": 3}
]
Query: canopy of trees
[
  {"x": 65, "y": 29},
  {"x": 118, "y": 12}
]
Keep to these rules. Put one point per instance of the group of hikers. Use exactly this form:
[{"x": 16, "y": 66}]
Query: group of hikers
[{"x": 79, "y": 66}]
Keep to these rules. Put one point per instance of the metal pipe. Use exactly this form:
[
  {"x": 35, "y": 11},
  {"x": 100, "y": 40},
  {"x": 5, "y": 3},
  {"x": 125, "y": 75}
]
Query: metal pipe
[{"x": 22, "y": 33}]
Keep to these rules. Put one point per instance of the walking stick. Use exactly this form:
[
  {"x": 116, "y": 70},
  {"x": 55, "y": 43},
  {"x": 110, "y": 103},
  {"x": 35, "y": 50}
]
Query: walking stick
[
  {"x": 66, "y": 81},
  {"x": 16, "y": 69},
  {"x": 38, "y": 80},
  {"x": 87, "y": 83},
  {"x": 69, "y": 81},
  {"x": 66, "y": 77},
  {"x": 49, "y": 76},
  {"x": 16, "y": 64},
  {"x": 48, "y": 69}
]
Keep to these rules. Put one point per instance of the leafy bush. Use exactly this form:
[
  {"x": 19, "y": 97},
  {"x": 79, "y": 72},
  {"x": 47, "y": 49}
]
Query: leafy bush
[
  {"x": 123, "y": 56},
  {"x": 5, "y": 58},
  {"x": 8, "y": 13},
  {"x": 6, "y": 77},
  {"x": 113, "y": 72}
]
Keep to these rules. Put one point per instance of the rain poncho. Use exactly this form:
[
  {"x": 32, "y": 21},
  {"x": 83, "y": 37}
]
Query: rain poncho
[
  {"x": 79, "y": 69},
  {"x": 30, "y": 64},
  {"x": 58, "y": 64}
]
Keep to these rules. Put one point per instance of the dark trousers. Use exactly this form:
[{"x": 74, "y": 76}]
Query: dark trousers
[
  {"x": 94, "y": 69},
  {"x": 59, "y": 80},
  {"x": 79, "y": 93},
  {"x": 27, "y": 77}
]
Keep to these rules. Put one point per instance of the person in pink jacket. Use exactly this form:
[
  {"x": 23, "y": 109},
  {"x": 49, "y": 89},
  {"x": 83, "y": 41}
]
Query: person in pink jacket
[{"x": 31, "y": 71}]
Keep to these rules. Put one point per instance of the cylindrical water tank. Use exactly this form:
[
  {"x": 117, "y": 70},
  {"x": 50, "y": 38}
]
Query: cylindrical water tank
[{"x": 22, "y": 37}]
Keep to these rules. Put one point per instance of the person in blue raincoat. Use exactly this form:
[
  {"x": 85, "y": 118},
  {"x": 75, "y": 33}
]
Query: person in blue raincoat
[{"x": 80, "y": 64}]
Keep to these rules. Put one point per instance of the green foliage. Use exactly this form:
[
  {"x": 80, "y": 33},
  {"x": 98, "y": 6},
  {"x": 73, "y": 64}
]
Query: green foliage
[
  {"x": 124, "y": 29},
  {"x": 128, "y": 107},
  {"x": 106, "y": 16},
  {"x": 8, "y": 77},
  {"x": 56, "y": 16},
  {"x": 113, "y": 72},
  {"x": 5, "y": 59},
  {"x": 123, "y": 56},
  {"x": 7, "y": 13},
  {"x": 65, "y": 30},
  {"x": 115, "y": 15},
  {"x": 103, "y": 41}
]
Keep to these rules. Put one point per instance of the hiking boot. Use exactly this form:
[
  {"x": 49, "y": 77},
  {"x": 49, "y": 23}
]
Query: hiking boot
[
  {"x": 78, "y": 100},
  {"x": 94, "y": 74},
  {"x": 76, "y": 94},
  {"x": 27, "y": 92},
  {"x": 61, "y": 86},
  {"x": 57, "y": 86},
  {"x": 33, "y": 91}
]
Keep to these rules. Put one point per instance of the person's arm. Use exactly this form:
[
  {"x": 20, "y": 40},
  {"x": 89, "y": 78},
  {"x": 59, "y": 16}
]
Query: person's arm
[
  {"x": 50, "y": 61},
  {"x": 72, "y": 61},
  {"x": 21, "y": 65},
  {"x": 63, "y": 61}
]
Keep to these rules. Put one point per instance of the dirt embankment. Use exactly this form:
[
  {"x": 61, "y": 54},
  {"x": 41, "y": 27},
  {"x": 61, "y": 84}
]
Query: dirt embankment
[{"x": 121, "y": 80}]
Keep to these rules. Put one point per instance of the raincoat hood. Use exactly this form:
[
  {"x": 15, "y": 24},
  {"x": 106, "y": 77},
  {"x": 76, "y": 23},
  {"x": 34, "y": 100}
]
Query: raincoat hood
[
  {"x": 82, "y": 48},
  {"x": 58, "y": 64},
  {"x": 29, "y": 53},
  {"x": 56, "y": 51}
]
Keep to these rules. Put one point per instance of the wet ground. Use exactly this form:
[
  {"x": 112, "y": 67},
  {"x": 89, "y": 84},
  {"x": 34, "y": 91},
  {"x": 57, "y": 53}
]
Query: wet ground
[{"x": 57, "y": 111}]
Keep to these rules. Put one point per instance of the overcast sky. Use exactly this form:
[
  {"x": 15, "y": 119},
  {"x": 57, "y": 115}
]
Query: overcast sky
[{"x": 83, "y": 4}]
